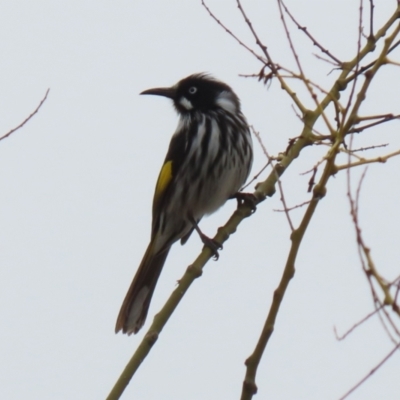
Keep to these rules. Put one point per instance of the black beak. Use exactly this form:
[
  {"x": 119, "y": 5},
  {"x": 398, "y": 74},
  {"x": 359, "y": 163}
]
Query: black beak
[{"x": 166, "y": 92}]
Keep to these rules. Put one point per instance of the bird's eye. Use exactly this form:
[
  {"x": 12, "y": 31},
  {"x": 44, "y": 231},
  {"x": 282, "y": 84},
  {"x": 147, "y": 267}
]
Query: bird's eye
[{"x": 192, "y": 90}]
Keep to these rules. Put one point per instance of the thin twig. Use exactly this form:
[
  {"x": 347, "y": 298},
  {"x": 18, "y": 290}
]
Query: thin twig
[
  {"x": 371, "y": 18},
  {"x": 294, "y": 207},
  {"x": 256, "y": 176},
  {"x": 381, "y": 159},
  {"x": 229, "y": 32},
  {"x": 392, "y": 325},
  {"x": 357, "y": 67},
  {"x": 373, "y": 370},
  {"x": 376, "y": 146},
  {"x": 301, "y": 71},
  {"x": 380, "y": 116},
  {"x": 271, "y": 64},
  {"x": 356, "y": 325},
  {"x": 358, "y": 192},
  {"x": 26, "y": 119},
  {"x": 327, "y": 61},
  {"x": 270, "y": 161},
  {"x": 308, "y": 34},
  {"x": 384, "y": 119},
  {"x": 371, "y": 64}
]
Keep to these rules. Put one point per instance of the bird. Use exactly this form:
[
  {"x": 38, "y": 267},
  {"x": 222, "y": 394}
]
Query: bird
[{"x": 209, "y": 158}]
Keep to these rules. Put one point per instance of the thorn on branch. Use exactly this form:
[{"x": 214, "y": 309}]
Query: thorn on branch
[
  {"x": 292, "y": 141},
  {"x": 311, "y": 182}
]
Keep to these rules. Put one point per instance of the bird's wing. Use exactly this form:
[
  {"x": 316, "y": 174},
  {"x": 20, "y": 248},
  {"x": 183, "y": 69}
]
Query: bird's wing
[{"x": 167, "y": 177}]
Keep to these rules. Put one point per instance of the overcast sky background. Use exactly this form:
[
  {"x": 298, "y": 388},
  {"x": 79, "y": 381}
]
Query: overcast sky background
[{"x": 75, "y": 208}]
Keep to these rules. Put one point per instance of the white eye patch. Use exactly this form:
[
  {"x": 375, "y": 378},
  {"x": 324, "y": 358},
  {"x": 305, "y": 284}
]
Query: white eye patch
[{"x": 185, "y": 103}]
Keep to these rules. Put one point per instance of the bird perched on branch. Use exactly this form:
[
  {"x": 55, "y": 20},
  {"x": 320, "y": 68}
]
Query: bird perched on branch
[{"x": 209, "y": 159}]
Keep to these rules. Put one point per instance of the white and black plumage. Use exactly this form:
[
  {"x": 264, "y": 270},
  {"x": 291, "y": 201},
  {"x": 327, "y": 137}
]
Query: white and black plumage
[{"x": 209, "y": 159}]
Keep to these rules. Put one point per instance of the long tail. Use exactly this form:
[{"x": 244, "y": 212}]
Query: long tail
[{"x": 137, "y": 301}]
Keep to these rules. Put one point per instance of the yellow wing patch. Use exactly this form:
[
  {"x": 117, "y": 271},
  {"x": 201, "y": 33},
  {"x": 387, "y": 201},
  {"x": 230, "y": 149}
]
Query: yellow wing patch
[{"x": 164, "y": 178}]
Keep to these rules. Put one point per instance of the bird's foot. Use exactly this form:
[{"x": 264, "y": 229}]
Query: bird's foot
[
  {"x": 246, "y": 198},
  {"x": 212, "y": 244}
]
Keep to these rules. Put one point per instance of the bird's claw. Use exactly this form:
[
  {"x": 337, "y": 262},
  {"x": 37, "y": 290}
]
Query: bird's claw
[
  {"x": 248, "y": 199},
  {"x": 213, "y": 245}
]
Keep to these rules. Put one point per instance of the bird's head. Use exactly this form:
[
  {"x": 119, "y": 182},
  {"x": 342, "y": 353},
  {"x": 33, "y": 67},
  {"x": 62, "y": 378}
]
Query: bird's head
[{"x": 199, "y": 92}]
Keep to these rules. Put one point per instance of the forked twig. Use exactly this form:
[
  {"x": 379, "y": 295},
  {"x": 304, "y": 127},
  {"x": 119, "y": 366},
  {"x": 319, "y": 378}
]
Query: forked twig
[
  {"x": 356, "y": 325},
  {"x": 314, "y": 41},
  {"x": 230, "y": 33}
]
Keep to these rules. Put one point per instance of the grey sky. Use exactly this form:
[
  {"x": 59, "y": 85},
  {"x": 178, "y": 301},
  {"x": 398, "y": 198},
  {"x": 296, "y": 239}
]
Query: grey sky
[{"x": 75, "y": 209}]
